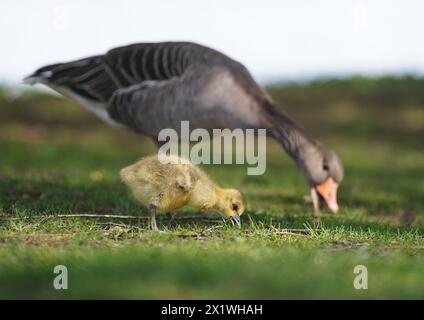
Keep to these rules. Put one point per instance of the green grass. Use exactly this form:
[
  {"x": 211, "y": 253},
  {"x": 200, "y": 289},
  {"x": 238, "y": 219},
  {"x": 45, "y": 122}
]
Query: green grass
[{"x": 55, "y": 159}]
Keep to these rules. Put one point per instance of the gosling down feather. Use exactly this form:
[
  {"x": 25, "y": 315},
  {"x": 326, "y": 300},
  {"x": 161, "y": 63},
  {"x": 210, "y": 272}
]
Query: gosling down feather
[
  {"x": 151, "y": 86},
  {"x": 165, "y": 187}
]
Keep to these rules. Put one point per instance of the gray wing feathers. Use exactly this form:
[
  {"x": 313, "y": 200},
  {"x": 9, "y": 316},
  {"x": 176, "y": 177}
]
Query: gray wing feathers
[
  {"x": 147, "y": 61},
  {"x": 96, "y": 78},
  {"x": 157, "y": 81},
  {"x": 208, "y": 97},
  {"x": 86, "y": 77},
  {"x": 151, "y": 100}
]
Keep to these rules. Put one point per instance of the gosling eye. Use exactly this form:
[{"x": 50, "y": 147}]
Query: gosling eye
[
  {"x": 325, "y": 167},
  {"x": 235, "y": 206}
]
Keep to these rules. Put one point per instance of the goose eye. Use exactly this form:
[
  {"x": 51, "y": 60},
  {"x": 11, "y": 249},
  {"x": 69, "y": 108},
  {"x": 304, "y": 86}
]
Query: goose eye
[{"x": 235, "y": 207}]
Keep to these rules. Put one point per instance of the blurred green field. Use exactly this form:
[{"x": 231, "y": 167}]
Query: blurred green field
[{"x": 57, "y": 159}]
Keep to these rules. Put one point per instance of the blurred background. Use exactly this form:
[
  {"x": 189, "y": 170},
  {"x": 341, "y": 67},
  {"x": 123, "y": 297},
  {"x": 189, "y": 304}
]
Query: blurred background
[{"x": 276, "y": 40}]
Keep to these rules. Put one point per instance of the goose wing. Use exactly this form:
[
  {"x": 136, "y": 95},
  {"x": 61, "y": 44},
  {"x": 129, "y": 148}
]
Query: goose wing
[
  {"x": 209, "y": 97},
  {"x": 86, "y": 78},
  {"x": 93, "y": 81},
  {"x": 150, "y": 86},
  {"x": 97, "y": 78}
]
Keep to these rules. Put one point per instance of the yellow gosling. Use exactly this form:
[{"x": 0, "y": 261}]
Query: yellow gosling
[{"x": 165, "y": 187}]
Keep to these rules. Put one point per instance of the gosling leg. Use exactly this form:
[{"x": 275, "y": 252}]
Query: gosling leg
[
  {"x": 152, "y": 215},
  {"x": 172, "y": 218}
]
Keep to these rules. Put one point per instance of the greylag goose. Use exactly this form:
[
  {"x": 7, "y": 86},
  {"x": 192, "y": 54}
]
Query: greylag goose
[{"x": 151, "y": 86}]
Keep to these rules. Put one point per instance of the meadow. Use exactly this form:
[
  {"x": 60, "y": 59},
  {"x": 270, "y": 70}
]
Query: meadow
[{"x": 61, "y": 203}]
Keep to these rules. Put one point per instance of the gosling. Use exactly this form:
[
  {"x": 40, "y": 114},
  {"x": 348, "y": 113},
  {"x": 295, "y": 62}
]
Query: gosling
[{"x": 168, "y": 183}]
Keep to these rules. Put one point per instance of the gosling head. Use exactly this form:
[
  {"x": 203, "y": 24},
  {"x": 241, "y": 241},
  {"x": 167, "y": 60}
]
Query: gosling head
[{"x": 230, "y": 204}]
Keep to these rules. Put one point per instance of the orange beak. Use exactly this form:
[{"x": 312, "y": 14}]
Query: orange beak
[{"x": 328, "y": 190}]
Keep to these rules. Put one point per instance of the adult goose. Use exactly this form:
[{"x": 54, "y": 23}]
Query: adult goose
[{"x": 151, "y": 86}]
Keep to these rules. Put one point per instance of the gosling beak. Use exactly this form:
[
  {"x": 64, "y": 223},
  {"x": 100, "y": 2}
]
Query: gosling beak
[
  {"x": 236, "y": 220},
  {"x": 328, "y": 190}
]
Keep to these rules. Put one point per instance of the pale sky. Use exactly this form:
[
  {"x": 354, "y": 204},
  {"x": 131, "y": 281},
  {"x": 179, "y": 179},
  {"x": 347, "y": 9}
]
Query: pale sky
[{"x": 275, "y": 39}]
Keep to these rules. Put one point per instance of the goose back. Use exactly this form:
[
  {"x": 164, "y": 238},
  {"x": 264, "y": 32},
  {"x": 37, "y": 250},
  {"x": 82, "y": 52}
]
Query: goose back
[{"x": 151, "y": 86}]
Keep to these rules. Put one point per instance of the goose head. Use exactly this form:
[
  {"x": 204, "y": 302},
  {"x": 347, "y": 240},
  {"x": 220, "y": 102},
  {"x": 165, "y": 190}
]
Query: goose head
[{"x": 324, "y": 172}]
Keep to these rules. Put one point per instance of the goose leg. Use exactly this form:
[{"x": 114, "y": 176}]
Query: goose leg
[
  {"x": 315, "y": 202},
  {"x": 152, "y": 220}
]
